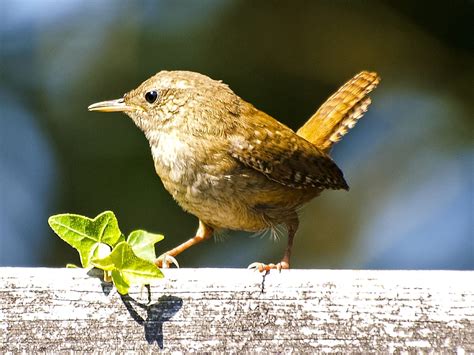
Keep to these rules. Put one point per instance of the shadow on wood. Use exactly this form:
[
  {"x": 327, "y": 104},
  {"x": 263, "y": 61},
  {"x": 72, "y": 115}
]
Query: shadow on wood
[{"x": 156, "y": 315}]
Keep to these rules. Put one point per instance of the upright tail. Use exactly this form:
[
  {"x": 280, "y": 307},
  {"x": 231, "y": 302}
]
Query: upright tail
[{"x": 340, "y": 112}]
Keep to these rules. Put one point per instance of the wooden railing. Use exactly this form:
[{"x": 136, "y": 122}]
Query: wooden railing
[{"x": 233, "y": 310}]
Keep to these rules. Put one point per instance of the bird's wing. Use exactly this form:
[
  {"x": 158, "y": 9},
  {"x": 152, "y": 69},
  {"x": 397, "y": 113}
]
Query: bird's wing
[{"x": 277, "y": 152}]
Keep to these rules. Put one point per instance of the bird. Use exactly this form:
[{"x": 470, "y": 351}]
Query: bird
[{"x": 232, "y": 165}]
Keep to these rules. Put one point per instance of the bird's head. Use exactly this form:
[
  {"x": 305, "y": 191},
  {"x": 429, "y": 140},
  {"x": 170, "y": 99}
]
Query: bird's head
[{"x": 172, "y": 98}]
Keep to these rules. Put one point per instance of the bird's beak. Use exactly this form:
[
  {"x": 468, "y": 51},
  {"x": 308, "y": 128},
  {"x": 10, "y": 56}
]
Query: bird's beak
[{"x": 118, "y": 105}]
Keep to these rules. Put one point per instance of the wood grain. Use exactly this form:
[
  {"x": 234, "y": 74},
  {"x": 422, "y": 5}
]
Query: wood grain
[{"x": 238, "y": 310}]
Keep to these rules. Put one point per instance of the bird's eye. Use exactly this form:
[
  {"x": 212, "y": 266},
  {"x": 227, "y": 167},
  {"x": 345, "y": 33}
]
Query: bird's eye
[{"x": 151, "y": 96}]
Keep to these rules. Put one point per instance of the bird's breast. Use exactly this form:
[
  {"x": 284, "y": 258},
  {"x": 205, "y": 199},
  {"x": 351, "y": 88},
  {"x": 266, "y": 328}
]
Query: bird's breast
[
  {"x": 187, "y": 169},
  {"x": 173, "y": 157}
]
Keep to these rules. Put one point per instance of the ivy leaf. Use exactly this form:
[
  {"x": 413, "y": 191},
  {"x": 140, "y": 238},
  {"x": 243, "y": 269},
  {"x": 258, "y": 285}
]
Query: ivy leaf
[
  {"x": 85, "y": 234},
  {"x": 127, "y": 267},
  {"x": 120, "y": 283},
  {"x": 143, "y": 244}
]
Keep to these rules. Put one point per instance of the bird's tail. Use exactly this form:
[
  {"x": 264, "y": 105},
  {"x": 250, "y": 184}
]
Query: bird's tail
[{"x": 340, "y": 112}]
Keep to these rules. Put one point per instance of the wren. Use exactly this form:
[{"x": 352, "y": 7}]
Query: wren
[{"x": 232, "y": 165}]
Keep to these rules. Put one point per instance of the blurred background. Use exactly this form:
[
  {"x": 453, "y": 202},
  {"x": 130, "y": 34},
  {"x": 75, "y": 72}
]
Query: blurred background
[{"x": 409, "y": 161}]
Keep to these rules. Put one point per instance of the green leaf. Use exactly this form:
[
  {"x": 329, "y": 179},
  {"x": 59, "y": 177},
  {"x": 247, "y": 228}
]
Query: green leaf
[
  {"x": 120, "y": 283},
  {"x": 72, "y": 266},
  {"x": 85, "y": 234},
  {"x": 132, "y": 268},
  {"x": 106, "y": 264},
  {"x": 143, "y": 244}
]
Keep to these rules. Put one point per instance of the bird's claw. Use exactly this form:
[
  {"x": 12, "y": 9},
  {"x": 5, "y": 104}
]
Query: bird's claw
[
  {"x": 261, "y": 267},
  {"x": 164, "y": 261}
]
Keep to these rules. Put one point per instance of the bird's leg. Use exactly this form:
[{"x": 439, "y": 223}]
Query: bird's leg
[
  {"x": 203, "y": 233},
  {"x": 285, "y": 261}
]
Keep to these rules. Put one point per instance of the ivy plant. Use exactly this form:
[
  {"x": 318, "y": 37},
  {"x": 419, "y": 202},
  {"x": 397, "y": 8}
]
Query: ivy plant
[{"x": 101, "y": 244}]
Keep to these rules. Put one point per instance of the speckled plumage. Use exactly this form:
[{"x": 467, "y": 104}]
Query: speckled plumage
[{"x": 232, "y": 165}]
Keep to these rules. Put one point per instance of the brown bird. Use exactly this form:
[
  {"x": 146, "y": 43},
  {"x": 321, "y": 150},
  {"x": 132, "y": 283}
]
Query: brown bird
[{"x": 232, "y": 165}]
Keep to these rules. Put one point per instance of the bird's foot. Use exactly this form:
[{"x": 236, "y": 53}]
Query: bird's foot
[
  {"x": 164, "y": 261},
  {"x": 261, "y": 267}
]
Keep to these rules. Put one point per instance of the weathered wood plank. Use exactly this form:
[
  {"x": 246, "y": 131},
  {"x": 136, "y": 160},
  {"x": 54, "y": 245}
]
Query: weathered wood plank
[{"x": 225, "y": 309}]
